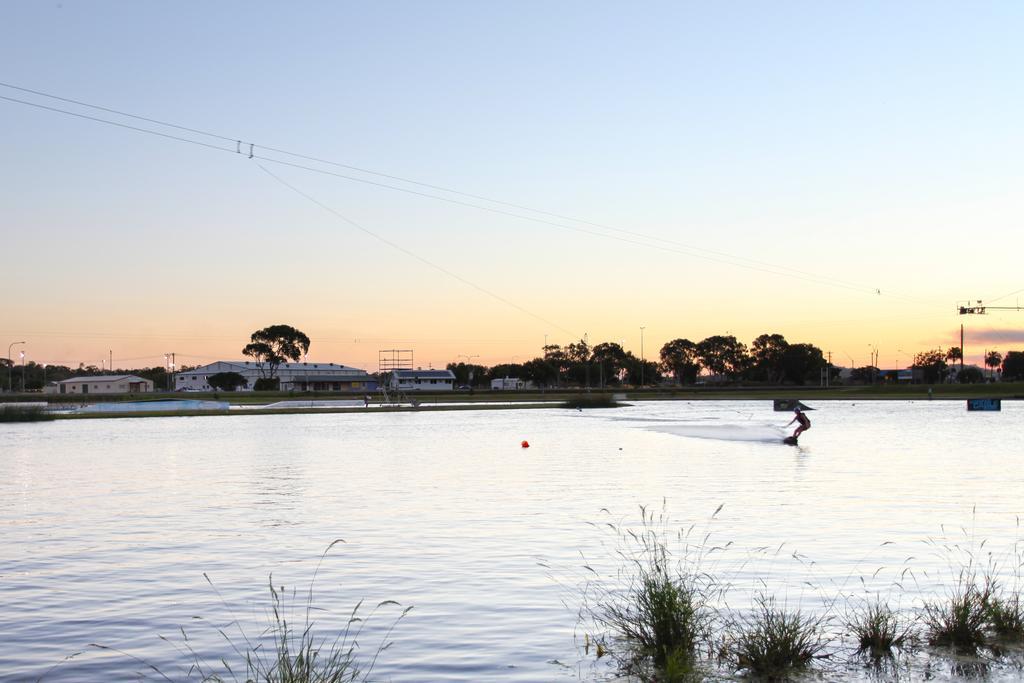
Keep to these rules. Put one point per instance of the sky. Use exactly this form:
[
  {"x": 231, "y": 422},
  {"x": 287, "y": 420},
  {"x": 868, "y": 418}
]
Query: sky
[{"x": 477, "y": 179}]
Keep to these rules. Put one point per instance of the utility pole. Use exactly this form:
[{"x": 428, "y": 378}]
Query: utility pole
[
  {"x": 642, "y": 363},
  {"x": 828, "y": 370}
]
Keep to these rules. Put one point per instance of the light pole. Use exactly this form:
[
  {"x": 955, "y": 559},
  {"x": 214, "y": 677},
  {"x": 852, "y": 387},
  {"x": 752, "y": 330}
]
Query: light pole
[
  {"x": 874, "y": 362},
  {"x": 10, "y": 368},
  {"x": 642, "y": 363},
  {"x": 44, "y": 376},
  {"x": 23, "y": 372}
]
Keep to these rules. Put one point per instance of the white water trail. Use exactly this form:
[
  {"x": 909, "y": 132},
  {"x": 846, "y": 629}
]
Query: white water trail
[{"x": 758, "y": 432}]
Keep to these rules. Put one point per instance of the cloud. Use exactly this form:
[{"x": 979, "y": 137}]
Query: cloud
[{"x": 1005, "y": 336}]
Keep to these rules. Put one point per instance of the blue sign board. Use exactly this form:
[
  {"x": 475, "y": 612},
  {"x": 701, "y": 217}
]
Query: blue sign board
[{"x": 984, "y": 404}]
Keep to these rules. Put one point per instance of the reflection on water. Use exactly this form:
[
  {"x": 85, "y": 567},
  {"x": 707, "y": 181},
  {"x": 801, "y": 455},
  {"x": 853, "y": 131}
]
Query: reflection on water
[{"x": 108, "y": 526}]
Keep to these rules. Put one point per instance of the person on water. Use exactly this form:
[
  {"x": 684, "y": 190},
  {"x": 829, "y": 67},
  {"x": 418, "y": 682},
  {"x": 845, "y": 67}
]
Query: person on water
[{"x": 801, "y": 417}]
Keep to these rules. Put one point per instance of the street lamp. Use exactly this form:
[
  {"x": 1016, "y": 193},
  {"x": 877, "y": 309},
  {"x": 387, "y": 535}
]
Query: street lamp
[
  {"x": 10, "y": 368},
  {"x": 23, "y": 372}
]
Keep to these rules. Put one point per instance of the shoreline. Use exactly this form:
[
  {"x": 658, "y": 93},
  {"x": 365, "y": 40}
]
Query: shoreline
[{"x": 248, "y": 403}]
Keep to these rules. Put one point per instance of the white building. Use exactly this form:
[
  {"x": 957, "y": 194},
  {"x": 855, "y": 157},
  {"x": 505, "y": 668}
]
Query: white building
[
  {"x": 292, "y": 377},
  {"x": 422, "y": 380},
  {"x": 101, "y": 384}
]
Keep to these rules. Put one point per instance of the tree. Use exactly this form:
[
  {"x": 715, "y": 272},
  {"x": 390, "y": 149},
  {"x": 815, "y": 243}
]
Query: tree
[
  {"x": 864, "y": 375},
  {"x": 992, "y": 361},
  {"x": 541, "y": 371},
  {"x": 503, "y": 370},
  {"x": 640, "y": 372},
  {"x": 802, "y": 362},
  {"x": 468, "y": 374},
  {"x": 955, "y": 355},
  {"x": 557, "y": 358},
  {"x": 611, "y": 360},
  {"x": 766, "y": 356},
  {"x": 578, "y": 356},
  {"x": 227, "y": 381},
  {"x": 273, "y": 345},
  {"x": 679, "y": 358},
  {"x": 1013, "y": 366},
  {"x": 932, "y": 365},
  {"x": 722, "y": 355}
]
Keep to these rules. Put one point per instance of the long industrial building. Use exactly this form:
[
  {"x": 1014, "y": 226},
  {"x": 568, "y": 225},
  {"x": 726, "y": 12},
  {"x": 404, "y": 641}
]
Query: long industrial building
[{"x": 292, "y": 376}]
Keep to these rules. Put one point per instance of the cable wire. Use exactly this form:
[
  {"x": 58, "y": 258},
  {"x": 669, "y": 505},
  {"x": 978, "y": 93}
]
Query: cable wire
[
  {"x": 680, "y": 247},
  {"x": 407, "y": 252}
]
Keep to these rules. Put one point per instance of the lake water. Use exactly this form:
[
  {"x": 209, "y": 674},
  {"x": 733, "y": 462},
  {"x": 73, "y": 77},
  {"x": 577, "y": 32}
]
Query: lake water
[{"x": 108, "y": 526}]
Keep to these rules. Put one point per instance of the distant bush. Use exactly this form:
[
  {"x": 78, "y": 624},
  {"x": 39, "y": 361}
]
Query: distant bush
[
  {"x": 227, "y": 381},
  {"x": 591, "y": 401},
  {"x": 267, "y": 384},
  {"x": 24, "y": 414}
]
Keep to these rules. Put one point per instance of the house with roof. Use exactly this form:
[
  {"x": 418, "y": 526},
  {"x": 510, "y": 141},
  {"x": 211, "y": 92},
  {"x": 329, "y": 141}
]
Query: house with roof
[
  {"x": 421, "y": 380},
  {"x": 101, "y": 384},
  {"x": 291, "y": 376}
]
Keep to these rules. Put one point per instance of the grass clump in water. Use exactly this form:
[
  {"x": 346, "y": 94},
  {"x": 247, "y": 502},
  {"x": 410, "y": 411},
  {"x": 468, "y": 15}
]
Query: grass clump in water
[
  {"x": 289, "y": 650},
  {"x": 1006, "y": 616},
  {"x": 661, "y": 618},
  {"x": 961, "y": 620},
  {"x": 771, "y": 643},
  {"x": 878, "y": 628},
  {"x": 658, "y": 624}
]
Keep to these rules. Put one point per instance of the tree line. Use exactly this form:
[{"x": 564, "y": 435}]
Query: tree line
[{"x": 769, "y": 359}]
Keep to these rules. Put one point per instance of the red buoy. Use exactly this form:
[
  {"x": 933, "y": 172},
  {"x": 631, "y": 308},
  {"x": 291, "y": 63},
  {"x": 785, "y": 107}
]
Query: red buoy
[{"x": 526, "y": 444}]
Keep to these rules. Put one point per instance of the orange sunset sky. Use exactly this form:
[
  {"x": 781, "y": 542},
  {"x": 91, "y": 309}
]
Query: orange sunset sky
[{"x": 470, "y": 180}]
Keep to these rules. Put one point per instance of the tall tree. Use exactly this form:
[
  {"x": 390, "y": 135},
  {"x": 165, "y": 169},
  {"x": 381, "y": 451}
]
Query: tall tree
[
  {"x": 992, "y": 361},
  {"x": 801, "y": 363},
  {"x": 610, "y": 359},
  {"x": 555, "y": 356},
  {"x": 932, "y": 365},
  {"x": 1013, "y": 366},
  {"x": 541, "y": 371},
  {"x": 766, "y": 358},
  {"x": 954, "y": 355},
  {"x": 639, "y": 372},
  {"x": 578, "y": 356},
  {"x": 723, "y": 355},
  {"x": 679, "y": 358},
  {"x": 273, "y": 345}
]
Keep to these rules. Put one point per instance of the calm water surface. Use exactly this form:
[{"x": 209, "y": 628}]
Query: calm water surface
[{"x": 108, "y": 526}]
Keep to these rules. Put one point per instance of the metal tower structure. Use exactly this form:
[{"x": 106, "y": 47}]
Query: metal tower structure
[{"x": 389, "y": 360}]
